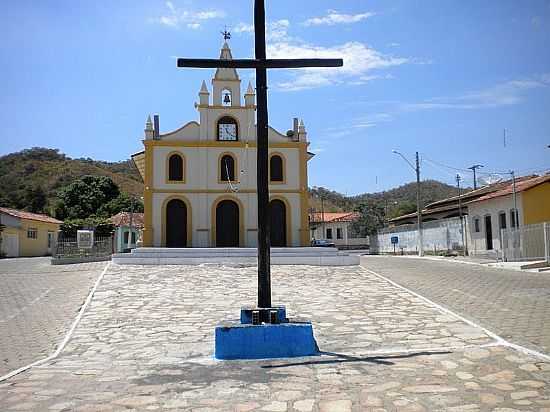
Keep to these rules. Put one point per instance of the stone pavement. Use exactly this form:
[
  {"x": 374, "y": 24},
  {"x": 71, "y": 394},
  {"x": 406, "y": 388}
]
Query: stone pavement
[
  {"x": 146, "y": 343},
  {"x": 38, "y": 304},
  {"x": 515, "y": 305}
]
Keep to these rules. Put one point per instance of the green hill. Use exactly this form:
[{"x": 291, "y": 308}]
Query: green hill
[
  {"x": 24, "y": 173},
  {"x": 398, "y": 201}
]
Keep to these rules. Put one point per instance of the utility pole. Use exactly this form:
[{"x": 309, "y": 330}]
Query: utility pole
[
  {"x": 464, "y": 245},
  {"x": 419, "y": 208},
  {"x": 131, "y": 220},
  {"x": 516, "y": 214},
  {"x": 473, "y": 169},
  {"x": 323, "y": 217}
]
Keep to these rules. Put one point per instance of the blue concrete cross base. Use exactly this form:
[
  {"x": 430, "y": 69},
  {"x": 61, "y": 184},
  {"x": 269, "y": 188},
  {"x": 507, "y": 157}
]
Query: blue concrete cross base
[
  {"x": 235, "y": 340},
  {"x": 265, "y": 333}
]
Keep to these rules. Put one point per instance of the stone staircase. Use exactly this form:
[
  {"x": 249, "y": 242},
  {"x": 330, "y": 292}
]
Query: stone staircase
[{"x": 315, "y": 256}]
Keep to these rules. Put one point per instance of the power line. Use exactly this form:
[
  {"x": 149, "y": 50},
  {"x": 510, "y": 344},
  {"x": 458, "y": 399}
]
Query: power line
[{"x": 444, "y": 165}]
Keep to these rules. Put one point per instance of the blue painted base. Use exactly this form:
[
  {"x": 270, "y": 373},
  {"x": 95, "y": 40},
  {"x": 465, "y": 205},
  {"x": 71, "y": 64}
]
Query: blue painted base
[{"x": 245, "y": 341}]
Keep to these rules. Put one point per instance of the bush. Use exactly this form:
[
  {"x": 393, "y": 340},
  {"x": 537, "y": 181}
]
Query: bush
[{"x": 101, "y": 226}]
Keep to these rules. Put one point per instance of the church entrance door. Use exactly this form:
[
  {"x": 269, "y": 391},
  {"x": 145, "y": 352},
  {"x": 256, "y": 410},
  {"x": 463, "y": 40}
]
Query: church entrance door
[
  {"x": 227, "y": 224},
  {"x": 278, "y": 223},
  {"x": 176, "y": 223}
]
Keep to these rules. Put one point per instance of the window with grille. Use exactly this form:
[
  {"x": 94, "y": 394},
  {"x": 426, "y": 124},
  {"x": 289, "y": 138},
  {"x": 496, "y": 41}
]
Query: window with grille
[{"x": 32, "y": 233}]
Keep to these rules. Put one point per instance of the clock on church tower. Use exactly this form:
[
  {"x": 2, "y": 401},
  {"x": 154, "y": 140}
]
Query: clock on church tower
[{"x": 227, "y": 129}]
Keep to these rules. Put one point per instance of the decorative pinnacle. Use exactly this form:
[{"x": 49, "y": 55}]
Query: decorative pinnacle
[
  {"x": 204, "y": 89},
  {"x": 149, "y": 123},
  {"x": 249, "y": 90}
]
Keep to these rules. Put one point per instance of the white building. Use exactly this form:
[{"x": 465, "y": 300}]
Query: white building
[
  {"x": 493, "y": 212},
  {"x": 336, "y": 227},
  {"x": 200, "y": 180}
]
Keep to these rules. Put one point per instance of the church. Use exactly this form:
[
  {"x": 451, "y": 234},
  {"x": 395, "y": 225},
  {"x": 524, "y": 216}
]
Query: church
[{"x": 200, "y": 179}]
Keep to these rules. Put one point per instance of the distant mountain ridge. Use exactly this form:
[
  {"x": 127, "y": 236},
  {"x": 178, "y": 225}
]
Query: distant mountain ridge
[
  {"x": 396, "y": 201},
  {"x": 24, "y": 173}
]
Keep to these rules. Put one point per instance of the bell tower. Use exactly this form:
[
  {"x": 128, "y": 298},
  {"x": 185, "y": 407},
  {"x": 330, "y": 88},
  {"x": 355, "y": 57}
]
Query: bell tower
[{"x": 226, "y": 82}]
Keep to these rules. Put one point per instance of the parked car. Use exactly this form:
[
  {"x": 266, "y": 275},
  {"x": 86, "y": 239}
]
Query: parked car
[{"x": 322, "y": 243}]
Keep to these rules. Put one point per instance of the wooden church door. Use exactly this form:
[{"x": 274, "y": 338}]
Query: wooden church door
[
  {"x": 176, "y": 223},
  {"x": 278, "y": 223},
  {"x": 227, "y": 224}
]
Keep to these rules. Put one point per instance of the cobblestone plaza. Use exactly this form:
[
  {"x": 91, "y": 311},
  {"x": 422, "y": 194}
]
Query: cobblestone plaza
[{"x": 146, "y": 341}]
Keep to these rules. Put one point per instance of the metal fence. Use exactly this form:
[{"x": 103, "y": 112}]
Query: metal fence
[
  {"x": 67, "y": 251},
  {"x": 529, "y": 242}
]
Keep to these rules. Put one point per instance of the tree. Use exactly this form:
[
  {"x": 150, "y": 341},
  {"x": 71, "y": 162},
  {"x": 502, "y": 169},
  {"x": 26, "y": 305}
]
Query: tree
[
  {"x": 2, "y": 227},
  {"x": 123, "y": 203},
  {"x": 85, "y": 197},
  {"x": 371, "y": 218},
  {"x": 101, "y": 226},
  {"x": 403, "y": 208},
  {"x": 34, "y": 199}
]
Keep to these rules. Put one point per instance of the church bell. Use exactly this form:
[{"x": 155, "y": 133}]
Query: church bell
[{"x": 226, "y": 99}]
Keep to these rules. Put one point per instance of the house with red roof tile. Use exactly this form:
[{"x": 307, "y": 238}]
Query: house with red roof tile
[
  {"x": 26, "y": 233},
  {"x": 527, "y": 202},
  {"x": 128, "y": 230},
  {"x": 335, "y": 227}
]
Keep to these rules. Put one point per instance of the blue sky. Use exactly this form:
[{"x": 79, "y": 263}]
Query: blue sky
[{"x": 441, "y": 77}]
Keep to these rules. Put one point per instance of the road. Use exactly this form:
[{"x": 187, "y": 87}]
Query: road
[
  {"x": 38, "y": 304},
  {"x": 514, "y": 305}
]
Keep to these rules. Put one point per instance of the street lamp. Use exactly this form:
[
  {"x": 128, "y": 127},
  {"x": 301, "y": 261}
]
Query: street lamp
[
  {"x": 473, "y": 169},
  {"x": 418, "y": 209}
]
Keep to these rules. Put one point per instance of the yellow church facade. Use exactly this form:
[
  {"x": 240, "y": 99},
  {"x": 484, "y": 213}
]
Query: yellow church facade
[{"x": 200, "y": 180}]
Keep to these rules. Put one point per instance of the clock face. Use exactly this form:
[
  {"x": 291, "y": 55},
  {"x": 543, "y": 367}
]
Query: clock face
[{"x": 227, "y": 131}]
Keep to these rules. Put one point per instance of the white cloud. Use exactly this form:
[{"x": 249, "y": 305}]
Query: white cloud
[
  {"x": 243, "y": 28},
  {"x": 364, "y": 122},
  {"x": 359, "y": 61},
  {"x": 276, "y": 30},
  {"x": 333, "y": 17},
  {"x": 504, "y": 94},
  {"x": 177, "y": 18}
]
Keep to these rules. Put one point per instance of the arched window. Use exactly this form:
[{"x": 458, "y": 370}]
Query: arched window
[
  {"x": 228, "y": 129},
  {"x": 227, "y": 169},
  {"x": 175, "y": 168},
  {"x": 276, "y": 172}
]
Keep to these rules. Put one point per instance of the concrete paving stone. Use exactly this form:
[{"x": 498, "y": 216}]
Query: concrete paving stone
[
  {"x": 146, "y": 343},
  {"x": 513, "y": 304},
  {"x": 38, "y": 304}
]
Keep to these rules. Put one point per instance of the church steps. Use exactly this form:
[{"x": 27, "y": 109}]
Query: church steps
[{"x": 247, "y": 256}]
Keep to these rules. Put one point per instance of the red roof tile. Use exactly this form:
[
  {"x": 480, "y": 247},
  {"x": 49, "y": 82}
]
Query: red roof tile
[
  {"x": 123, "y": 219},
  {"x": 28, "y": 215},
  {"x": 334, "y": 217},
  {"x": 521, "y": 186}
]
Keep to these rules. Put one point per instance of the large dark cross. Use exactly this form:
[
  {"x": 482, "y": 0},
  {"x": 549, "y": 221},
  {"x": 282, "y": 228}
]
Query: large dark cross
[{"x": 261, "y": 64}]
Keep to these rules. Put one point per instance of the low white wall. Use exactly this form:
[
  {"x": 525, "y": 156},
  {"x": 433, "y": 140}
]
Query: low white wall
[{"x": 440, "y": 235}]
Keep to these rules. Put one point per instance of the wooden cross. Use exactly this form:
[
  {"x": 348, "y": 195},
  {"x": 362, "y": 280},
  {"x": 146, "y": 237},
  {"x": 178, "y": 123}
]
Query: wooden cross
[{"x": 261, "y": 64}]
